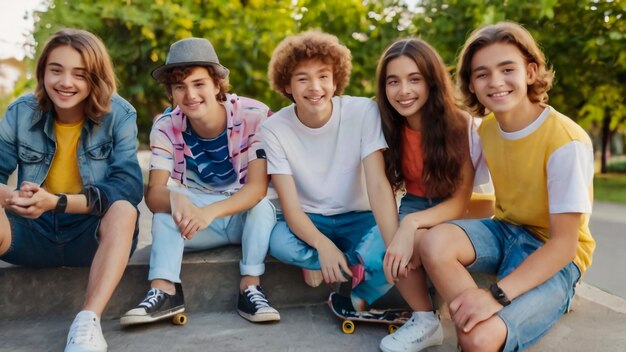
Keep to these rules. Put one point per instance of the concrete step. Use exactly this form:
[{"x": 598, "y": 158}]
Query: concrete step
[{"x": 210, "y": 283}]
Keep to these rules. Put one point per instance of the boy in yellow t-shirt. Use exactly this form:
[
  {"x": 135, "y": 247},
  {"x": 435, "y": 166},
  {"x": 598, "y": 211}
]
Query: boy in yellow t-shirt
[{"x": 541, "y": 164}]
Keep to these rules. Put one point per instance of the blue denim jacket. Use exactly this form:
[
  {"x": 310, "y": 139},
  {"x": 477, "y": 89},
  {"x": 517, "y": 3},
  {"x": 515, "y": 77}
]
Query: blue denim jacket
[{"x": 106, "y": 151}]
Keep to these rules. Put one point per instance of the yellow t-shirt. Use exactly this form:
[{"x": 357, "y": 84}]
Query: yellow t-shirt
[
  {"x": 64, "y": 176},
  {"x": 518, "y": 168}
]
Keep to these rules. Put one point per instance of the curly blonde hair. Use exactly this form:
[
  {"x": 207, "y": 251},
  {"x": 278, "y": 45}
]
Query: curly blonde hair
[
  {"x": 310, "y": 45},
  {"x": 510, "y": 33}
]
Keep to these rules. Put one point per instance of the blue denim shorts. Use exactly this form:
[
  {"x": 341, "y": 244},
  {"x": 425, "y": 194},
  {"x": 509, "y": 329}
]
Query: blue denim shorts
[
  {"x": 54, "y": 240},
  {"x": 500, "y": 248},
  {"x": 411, "y": 204}
]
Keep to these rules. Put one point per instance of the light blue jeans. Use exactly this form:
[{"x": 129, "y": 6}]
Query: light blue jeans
[
  {"x": 251, "y": 228},
  {"x": 354, "y": 233},
  {"x": 500, "y": 248}
]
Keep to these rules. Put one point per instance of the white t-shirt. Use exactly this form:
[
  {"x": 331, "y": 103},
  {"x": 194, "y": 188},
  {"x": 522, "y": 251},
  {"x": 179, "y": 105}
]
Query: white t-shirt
[
  {"x": 482, "y": 178},
  {"x": 326, "y": 162}
]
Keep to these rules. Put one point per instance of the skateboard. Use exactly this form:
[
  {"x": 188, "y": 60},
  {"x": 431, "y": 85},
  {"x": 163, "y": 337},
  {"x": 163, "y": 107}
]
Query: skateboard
[
  {"x": 180, "y": 319},
  {"x": 342, "y": 307}
]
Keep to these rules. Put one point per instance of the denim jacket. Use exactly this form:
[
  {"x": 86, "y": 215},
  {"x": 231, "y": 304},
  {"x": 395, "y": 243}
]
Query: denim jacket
[{"x": 106, "y": 151}]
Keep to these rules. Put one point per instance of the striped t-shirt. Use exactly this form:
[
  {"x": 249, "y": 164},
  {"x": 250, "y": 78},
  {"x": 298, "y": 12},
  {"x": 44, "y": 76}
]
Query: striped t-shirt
[
  {"x": 208, "y": 167},
  {"x": 170, "y": 152}
]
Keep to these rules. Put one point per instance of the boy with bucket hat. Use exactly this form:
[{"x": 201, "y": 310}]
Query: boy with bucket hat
[{"x": 208, "y": 182}]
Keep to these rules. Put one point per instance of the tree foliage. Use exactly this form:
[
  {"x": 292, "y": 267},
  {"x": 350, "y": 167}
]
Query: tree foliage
[{"x": 583, "y": 40}]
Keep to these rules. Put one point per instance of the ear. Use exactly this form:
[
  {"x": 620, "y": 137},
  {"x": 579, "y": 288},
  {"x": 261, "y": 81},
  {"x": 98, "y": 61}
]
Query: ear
[
  {"x": 531, "y": 73},
  {"x": 288, "y": 89},
  {"x": 471, "y": 87}
]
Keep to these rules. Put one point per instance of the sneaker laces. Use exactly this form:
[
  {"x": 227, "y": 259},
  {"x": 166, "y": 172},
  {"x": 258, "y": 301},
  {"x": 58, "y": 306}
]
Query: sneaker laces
[
  {"x": 83, "y": 330},
  {"x": 153, "y": 296},
  {"x": 257, "y": 297}
]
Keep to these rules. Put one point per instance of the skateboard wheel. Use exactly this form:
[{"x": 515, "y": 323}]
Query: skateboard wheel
[
  {"x": 347, "y": 327},
  {"x": 392, "y": 328},
  {"x": 180, "y": 319}
]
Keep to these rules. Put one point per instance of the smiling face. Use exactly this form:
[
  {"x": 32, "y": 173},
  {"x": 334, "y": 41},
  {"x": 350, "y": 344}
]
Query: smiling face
[
  {"x": 312, "y": 88},
  {"x": 65, "y": 82},
  {"x": 196, "y": 95},
  {"x": 406, "y": 89},
  {"x": 500, "y": 77}
]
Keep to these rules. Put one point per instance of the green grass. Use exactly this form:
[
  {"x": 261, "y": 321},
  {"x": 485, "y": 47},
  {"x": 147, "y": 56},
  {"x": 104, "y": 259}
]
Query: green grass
[{"x": 610, "y": 187}]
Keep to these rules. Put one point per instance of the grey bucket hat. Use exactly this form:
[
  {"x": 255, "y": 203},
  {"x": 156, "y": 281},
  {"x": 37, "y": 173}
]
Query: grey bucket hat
[{"x": 191, "y": 52}]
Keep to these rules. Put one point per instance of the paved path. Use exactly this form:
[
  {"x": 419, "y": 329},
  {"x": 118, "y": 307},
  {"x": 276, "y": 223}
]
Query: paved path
[
  {"x": 590, "y": 327},
  {"x": 608, "y": 226}
]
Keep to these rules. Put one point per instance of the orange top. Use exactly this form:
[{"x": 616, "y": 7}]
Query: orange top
[{"x": 413, "y": 162}]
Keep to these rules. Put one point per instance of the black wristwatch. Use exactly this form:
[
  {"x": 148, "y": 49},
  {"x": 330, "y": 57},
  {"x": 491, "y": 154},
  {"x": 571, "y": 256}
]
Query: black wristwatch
[
  {"x": 61, "y": 204},
  {"x": 499, "y": 295}
]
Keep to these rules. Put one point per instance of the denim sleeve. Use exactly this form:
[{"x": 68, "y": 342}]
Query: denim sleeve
[
  {"x": 8, "y": 147},
  {"x": 124, "y": 180}
]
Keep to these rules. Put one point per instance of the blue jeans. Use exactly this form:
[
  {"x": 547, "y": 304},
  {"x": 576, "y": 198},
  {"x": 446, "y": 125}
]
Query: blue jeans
[
  {"x": 354, "y": 233},
  {"x": 500, "y": 248},
  {"x": 54, "y": 240},
  {"x": 251, "y": 228}
]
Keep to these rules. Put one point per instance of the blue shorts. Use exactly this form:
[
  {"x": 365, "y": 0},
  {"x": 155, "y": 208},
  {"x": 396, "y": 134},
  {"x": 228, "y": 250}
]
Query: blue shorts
[
  {"x": 411, "y": 204},
  {"x": 500, "y": 248},
  {"x": 54, "y": 240}
]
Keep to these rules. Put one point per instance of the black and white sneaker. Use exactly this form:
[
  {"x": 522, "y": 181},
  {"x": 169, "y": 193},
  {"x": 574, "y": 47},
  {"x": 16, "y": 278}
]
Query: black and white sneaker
[
  {"x": 156, "y": 306},
  {"x": 254, "y": 306}
]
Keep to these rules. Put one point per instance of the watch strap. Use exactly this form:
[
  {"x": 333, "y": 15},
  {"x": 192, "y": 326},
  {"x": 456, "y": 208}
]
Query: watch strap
[
  {"x": 499, "y": 295},
  {"x": 61, "y": 204}
]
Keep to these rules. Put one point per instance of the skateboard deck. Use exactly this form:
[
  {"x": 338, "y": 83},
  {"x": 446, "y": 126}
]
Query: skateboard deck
[
  {"x": 342, "y": 307},
  {"x": 179, "y": 318}
]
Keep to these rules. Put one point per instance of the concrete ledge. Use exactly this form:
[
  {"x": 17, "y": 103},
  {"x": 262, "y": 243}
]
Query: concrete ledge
[
  {"x": 210, "y": 283},
  {"x": 595, "y": 295}
]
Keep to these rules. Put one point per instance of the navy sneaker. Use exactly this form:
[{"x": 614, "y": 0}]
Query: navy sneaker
[
  {"x": 156, "y": 306},
  {"x": 254, "y": 306}
]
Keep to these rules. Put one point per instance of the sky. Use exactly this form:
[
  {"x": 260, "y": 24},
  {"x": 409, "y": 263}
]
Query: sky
[{"x": 15, "y": 28}]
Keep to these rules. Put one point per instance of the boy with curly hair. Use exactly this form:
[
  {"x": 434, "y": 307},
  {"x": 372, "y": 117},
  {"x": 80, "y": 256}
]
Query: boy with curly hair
[{"x": 326, "y": 162}]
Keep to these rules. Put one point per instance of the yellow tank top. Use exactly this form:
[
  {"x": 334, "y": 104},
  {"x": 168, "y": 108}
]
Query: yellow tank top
[{"x": 64, "y": 176}]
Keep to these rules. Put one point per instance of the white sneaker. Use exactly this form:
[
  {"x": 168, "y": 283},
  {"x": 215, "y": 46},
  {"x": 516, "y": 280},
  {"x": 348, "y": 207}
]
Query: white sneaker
[
  {"x": 86, "y": 334},
  {"x": 421, "y": 331}
]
